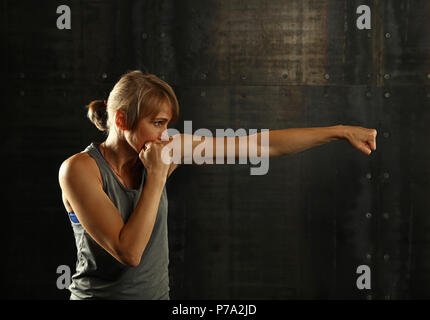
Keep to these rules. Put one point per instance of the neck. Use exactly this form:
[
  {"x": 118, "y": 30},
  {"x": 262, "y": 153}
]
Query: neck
[{"x": 120, "y": 155}]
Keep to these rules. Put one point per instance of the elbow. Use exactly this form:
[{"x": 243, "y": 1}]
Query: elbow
[
  {"x": 128, "y": 253},
  {"x": 272, "y": 152},
  {"x": 133, "y": 263},
  {"x": 130, "y": 260}
]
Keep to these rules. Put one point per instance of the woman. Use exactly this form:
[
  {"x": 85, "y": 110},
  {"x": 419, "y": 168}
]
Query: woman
[{"x": 115, "y": 191}]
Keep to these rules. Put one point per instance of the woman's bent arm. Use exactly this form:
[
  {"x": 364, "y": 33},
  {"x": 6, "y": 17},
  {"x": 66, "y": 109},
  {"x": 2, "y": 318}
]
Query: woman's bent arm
[{"x": 99, "y": 216}]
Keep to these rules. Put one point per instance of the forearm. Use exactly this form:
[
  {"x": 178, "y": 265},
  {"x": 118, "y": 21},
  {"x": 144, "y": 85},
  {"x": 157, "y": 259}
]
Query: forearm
[
  {"x": 135, "y": 234},
  {"x": 290, "y": 141},
  {"x": 277, "y": 143}
]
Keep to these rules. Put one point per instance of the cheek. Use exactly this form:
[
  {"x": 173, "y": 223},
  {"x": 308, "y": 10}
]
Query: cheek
[
  {"x": 149, "y": 135},
  {"x": 148, "y": 132}
]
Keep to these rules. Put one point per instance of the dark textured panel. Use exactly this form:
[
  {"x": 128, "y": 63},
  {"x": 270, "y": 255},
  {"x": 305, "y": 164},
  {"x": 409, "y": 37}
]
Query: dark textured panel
[
  {"x": 338, "y": 195},
  {"x": 407, "y": 50},
  {"x": 404, "y": 175},
  {"x": 251, "y": 42}
]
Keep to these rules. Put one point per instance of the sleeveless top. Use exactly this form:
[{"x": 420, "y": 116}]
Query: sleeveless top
[{"x": 98, "y": 274}]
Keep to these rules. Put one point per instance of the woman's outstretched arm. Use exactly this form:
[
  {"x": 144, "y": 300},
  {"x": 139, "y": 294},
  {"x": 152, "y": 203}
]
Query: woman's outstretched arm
[
  {"x": 194, "y": 149},
  {"x": 290, "y": 141}
]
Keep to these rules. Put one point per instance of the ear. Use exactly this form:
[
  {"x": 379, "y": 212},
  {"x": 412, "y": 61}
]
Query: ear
[{"x": 120, "y": 120}]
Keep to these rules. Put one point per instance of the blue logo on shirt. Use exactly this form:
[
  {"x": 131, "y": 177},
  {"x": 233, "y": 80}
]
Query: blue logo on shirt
[{"x": 73, "y": 217}]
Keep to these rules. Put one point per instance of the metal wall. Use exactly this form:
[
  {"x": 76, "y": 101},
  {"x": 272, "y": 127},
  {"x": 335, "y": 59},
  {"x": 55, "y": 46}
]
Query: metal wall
[{"x": 298, "y": 232}]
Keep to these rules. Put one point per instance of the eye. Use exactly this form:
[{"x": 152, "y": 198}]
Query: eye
[{"x": 157, "y": 123}]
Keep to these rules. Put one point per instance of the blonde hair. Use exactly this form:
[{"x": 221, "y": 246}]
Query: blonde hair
[{"x": 137, "y": 94}]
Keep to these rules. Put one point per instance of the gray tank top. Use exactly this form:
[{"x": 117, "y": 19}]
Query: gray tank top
[{"x": 98, "y": 274}]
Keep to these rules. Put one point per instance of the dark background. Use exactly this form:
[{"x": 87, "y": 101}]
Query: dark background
[{"x": 299, "y": 232}]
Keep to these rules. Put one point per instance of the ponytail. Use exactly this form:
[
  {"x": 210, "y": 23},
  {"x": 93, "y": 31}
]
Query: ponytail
[{"x": 97, "y": 114}]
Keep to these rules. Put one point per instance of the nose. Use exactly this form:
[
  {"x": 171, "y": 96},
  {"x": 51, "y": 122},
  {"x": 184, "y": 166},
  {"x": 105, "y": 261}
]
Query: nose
[{"x": 164, "y": 136}]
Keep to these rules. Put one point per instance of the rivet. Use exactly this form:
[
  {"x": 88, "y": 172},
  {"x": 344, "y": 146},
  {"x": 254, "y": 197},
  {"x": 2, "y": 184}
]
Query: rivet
[
  {"x": 22, "y": 75},
  {"x": 369, "y": 75},
  {"x": 386, "y": 175},
  {"x": 428, "y": 94},
  {"x": 285, "y": 76},
  {"x": 104, "y": 75},
  {"x": 327, "y": 76},
  {"x": 369, "y": 297},
  {"x": 386, "y": 216},
  {"x": 387, "y": 95},
  {"x": 388, "y": 35},
  {"x": 243, "y": 77},
  {"x": 387, "y": 76},
  {"x": 63, "y": 76},
  {"x": 368, "y": 256},
  {"x": 386, "y": 134},
  {"x": 144, "y": 36},
  {"x": 162, "y": 35},
  {"x": 21, "y": 93},
  {"x": 428, "y": 76},
  {"x": 368, "y": 215},
  {"x": 368, "y": 94},
  {"x": 386, "y": 257},
  {"x": 369, "y": 35},
  {"x": 203, "y": 94},
  {"x": 203, "y": 76},
  {"x": 369, "y": 176},
  {"x": 387, "y": 297}
]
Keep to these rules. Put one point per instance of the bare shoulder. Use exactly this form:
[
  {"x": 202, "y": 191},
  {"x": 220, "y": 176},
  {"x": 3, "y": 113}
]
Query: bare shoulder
[
  {"x": 77, "y": 170},
  {"x": 80, "y": 164}
]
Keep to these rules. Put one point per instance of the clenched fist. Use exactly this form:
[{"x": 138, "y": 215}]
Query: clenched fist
[
  {"x": 151, "y": 157},
  {"x": 362, "y": 139}
]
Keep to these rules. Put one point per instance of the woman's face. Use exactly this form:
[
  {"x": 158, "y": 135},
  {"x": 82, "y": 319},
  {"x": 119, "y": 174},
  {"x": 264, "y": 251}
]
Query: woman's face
[{"x": 150, "y": 129}]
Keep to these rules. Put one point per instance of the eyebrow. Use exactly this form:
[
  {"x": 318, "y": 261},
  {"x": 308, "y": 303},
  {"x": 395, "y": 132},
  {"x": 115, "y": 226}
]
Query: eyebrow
[{"x": 165, "y": 119}]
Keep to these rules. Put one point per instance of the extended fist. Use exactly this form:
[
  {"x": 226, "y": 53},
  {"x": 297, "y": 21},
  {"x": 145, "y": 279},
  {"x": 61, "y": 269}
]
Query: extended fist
[{"x": 362, "y": 139}]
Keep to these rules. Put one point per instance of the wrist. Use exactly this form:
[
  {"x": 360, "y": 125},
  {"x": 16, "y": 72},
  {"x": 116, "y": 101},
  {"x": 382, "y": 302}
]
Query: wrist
[
  {"x": 156, "y": 175},
  {"x": 339, "y": 131}
]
